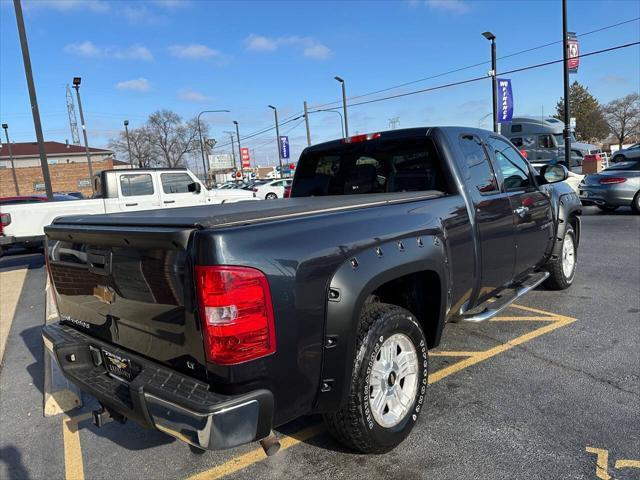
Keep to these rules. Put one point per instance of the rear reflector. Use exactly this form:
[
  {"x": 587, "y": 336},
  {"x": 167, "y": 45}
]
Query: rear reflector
[
  {"x": 287, "y": 192},
  {"x": 236, "y": 313},
  {"x": 5, "y": 220},
  {"x": 612, "y": 180},
  {"x": 361, "y": 138}
]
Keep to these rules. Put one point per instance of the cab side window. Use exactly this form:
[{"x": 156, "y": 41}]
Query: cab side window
[
  {"x": 136, "y": 184},
  {"x": 175, "y": 182},
  {"x": 545, "y": 141},
  {"x": 514, "y": 168},
  {"x": 480, "y": 171}
]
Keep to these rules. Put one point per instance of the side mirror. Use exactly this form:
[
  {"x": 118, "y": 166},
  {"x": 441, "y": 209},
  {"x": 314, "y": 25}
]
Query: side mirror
[
  {"x": 195, "y": 187},
  {"x": 554, "y": 173}
]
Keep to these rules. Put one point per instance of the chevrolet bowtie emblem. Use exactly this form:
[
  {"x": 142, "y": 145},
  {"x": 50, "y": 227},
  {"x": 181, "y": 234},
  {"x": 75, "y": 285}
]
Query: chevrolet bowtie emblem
[{"x": 104, "y": 294}]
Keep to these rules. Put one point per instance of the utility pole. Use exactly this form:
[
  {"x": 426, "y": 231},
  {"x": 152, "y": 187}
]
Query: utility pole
[
  {"x": 13, "y": 167},
  {"x": 565, "y": 66},
  {"x": 76, "y": 85},
  {"x": 275, "y": 113},
  {"x": 126, "y": 131},
  {"x": 32, "y": 96},
  {"x": 494, "y": 78},
  {"x": 394, "y": 122},
  {"x": 233, "y": 148},
  {"x": 239, "y": 148},
  {"x": 306, "y": 122},
  {"x": 344, "y": 105},
  {"x": 205, "y": 163}
]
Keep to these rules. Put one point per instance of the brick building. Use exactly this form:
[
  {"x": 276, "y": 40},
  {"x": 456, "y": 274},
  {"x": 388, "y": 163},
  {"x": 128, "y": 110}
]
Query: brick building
[{"x": 67, "y": 166}]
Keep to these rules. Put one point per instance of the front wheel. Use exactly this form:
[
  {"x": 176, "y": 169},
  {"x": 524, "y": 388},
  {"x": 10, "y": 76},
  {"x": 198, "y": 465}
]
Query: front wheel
[
  {"x": 388, "y": 381},
  {"x": 271, "y": 196},
  {"x": 562, "y": 270},
  {"x": 635, "y": 205}
]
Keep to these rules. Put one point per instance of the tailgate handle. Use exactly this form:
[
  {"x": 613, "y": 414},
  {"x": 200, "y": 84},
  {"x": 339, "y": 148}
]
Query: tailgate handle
[
  {"x": 99, "y": 262},
  {"x": 130, "y": 204},
  {"x": 169, "y": 201}
]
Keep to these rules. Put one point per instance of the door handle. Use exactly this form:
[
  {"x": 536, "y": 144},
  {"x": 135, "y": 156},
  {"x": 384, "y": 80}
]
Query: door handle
[
  {"x": 169, "y": 201},
  {"x": 521, "y": 211},
  {"x": 130, "y": 204}
]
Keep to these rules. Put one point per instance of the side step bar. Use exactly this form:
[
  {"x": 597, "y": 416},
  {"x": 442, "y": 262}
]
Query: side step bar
[{"x": 502, "y": 300}]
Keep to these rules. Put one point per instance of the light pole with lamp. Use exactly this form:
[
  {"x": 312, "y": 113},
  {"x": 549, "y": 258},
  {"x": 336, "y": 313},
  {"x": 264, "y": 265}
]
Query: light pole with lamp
[
  {"x": 344, "y": 105},
  {"x": 494, "y": 80},
  {"x": 204, "y": 162},
  {"x": 76, "y": 85},
  {"x": 13, "y": 167},
  {"x": 239, "y": 148},
  {"x": 275, "y": 113},
  {"x": 126, "y": 131}
]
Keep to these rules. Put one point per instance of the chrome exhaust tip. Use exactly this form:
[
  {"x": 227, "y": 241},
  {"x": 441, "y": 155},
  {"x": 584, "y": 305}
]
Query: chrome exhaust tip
[{"x": 270, "y": 444}]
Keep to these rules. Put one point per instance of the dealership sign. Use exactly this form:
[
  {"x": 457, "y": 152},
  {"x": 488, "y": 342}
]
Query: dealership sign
[
  {"x": 246, "y": 159},
  {"x": 221, "y": 162},
  {"x": 505, "y": 95},
  {"x": 284, "y": 148},
  {"x": 573, "y": 61}
]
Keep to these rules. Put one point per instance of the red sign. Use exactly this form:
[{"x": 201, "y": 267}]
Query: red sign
[
  {"x": 246, "y": 159},
  {"x": 292, "y": 166},
  {"x": 573, "y": 62}
]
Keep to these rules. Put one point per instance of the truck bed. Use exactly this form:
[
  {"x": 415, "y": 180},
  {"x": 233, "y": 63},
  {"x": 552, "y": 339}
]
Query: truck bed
[{"x": 211, "y": 216}]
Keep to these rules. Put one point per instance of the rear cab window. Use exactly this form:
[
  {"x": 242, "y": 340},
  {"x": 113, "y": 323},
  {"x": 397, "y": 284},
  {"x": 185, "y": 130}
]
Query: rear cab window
[
  {"x": 373, "y": 166},
  {"x": 136, "y": 184},
  {"x": 478, "y": 170},
  {"x": 175, "y": 182}
]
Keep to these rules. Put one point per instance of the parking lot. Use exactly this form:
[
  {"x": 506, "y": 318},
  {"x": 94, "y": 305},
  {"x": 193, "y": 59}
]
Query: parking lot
[{"x": 550, "y": 389}]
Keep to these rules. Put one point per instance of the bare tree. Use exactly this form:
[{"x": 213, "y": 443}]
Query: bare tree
[
  {"x": 142, "y": 150},
  {"x": 623, "y": 116},
  {"x": 173, "y": 138}
]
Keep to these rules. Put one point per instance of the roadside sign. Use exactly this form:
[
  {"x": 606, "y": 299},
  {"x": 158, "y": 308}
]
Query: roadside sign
[
  {"x": 221, "y": 161},
  {"x": 573, "y": 62},
  {"x": 572, "y": 122},
  {"x": 505, "y": 95},
  {"x": 292, "y": 166},
  {"x": 284, "y": 147},
  {"x": 84, "y": 182},
  {"x": 246, "y": 159}
]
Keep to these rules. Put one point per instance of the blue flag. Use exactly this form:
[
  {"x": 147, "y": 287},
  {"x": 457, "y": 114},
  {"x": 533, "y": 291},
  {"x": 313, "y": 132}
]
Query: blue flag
[{"x": 505, "y": 100}]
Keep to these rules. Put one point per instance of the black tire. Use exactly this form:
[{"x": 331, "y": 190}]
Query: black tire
[
  {"x": 558, "y": 279},
  {"x": 635, "y": 204},
  {"x": 618, "y": 158},
  {"x": 354, "y": 425},
  {"x": 607, "y": 208},
  {"x": 271, "y": 196}
]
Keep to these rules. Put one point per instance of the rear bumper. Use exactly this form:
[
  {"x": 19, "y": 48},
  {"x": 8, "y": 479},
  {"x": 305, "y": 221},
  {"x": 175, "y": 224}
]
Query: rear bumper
[
  {"x": 10, "y": 240},
  {"x": 162, "y": 398},
  {"x": 614, "y": 195}
]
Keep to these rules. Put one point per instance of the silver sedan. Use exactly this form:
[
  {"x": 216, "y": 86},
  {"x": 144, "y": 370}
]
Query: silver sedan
[{"x": 617, "y": 186}]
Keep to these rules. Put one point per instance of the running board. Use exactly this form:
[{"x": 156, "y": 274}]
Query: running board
[{"x": 502, "y": 300}]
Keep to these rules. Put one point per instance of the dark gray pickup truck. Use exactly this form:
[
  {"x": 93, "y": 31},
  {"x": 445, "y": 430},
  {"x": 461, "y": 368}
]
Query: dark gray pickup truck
[{"x": 216, "y": 324}]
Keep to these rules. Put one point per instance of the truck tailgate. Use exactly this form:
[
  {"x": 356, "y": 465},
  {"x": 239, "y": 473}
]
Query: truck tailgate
[{"x": 126, "y": 286}]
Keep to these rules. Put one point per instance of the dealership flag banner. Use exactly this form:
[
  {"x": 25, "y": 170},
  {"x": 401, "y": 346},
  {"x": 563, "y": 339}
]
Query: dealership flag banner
[
  {"x": 506, "y": 100},
  {"x": 246, "y": 159},
  {"x": 284, "y": 147},
  {"x": 573, "y": 62}
]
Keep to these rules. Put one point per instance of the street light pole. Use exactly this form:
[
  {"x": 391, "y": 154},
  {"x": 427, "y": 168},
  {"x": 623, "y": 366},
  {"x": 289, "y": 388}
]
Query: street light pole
[
  {"x": 13, "y": 167},
  {"x": 76, "y": 85},
  {"x": 567, "y": 107},
  {"x": 204, "y": 161},
  {"x": 239, "y": 148},
  {"x": 26, "y": 59},
  {"x": 494, "y": 80},
  {"x": 275, "y": 113},
  {"x": 344, "y": 105},
  {"x": 126, "y": 131},
  {"x": 340, "y": 115},
  {"x": 306, "y": 122}
]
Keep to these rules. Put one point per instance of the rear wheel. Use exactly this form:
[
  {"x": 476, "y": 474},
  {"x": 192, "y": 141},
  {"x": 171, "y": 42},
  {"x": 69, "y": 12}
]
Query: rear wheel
[
  {"x": 618, "y": 158},
  {"x": 635, "y": 205},
  {"x": 562, "y": 270},
  {"x": 388, "y": 381},
  {"x": 271, "y": 196},
  {"x": 607, "y": 208}
]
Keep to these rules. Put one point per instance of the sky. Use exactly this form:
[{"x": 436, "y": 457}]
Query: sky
[{"x": 136, "y": 57}]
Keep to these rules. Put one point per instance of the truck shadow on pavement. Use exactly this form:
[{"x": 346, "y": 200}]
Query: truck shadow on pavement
[{"x": 12, "y": 458}]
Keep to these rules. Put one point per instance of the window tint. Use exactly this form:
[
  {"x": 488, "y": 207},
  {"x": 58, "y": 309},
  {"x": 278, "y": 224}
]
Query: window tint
[
  {"x": 544, "y": 141},
  {"x": 516, "y": 128},
  {"x": 518, "y": 142},
  {"x": 480, "y": 172},
  {"x": 136, "y": 184},
  {"x": 175, "y": 182},
  {"x": 514, "y": 169},
  {"x": 378, "y": 166}
]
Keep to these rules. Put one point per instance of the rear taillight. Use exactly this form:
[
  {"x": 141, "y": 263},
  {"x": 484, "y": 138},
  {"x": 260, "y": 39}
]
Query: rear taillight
[
  {"x": 287, "y": 192},
  {"x": 5, "y": 220},
  {"x": 236, "y": 313},
  {"x": 361, "y": 138},
  {"x": 612, "y": 180},
  {"x": 254, "y": 189},
  {"x": 524, "y": 153}
]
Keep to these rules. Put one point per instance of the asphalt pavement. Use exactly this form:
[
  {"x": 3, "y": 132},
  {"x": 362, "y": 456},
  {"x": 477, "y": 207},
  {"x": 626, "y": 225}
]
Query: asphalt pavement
[{"x": 551, "y": 389}]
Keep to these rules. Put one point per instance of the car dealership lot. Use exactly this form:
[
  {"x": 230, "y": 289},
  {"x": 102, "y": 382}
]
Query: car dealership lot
[{"x": 545, "y": 391}]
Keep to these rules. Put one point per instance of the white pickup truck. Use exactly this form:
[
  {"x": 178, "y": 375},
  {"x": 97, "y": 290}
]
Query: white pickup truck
[{"x": 116, "y": 191}]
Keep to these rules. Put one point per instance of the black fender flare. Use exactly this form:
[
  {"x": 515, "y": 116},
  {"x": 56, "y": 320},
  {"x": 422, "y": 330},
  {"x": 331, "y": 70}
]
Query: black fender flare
[
  {"x": 567, "y": 206},
  {"x": 349, "y": 288}
]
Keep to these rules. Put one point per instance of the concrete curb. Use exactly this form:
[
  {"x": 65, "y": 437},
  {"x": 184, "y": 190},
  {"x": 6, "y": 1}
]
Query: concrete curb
[{"x": 60, "y": 395}]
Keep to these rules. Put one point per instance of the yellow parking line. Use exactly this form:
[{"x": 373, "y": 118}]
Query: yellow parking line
[
  {"x": 73, "y": 465},
  {"x": 627, "y": 464},
  {"x": 256, "y": 455},
  {"x": 602, "y": 462},
  {"x": 73, "y": 453},
  {"x": 539, "y": 318}
]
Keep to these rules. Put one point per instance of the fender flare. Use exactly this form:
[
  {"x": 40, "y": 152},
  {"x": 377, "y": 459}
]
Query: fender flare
[
  {"x": 567, "y": 205},
  {"x": 352, "y": 283}
]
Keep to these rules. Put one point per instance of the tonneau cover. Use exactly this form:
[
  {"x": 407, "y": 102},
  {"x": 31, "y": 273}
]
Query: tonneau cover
[{"x": 208, "y": 216}]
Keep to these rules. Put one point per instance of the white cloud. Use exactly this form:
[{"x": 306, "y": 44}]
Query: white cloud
[
  {"x": 193, "y": 51},
  {"x": 90, "y": 50},
  {"x": 453, "y": 6},
  {"x": 137, "y": 85},
  {"x": 310, "y": 47},
  {"x": 190, "y": 95}
]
